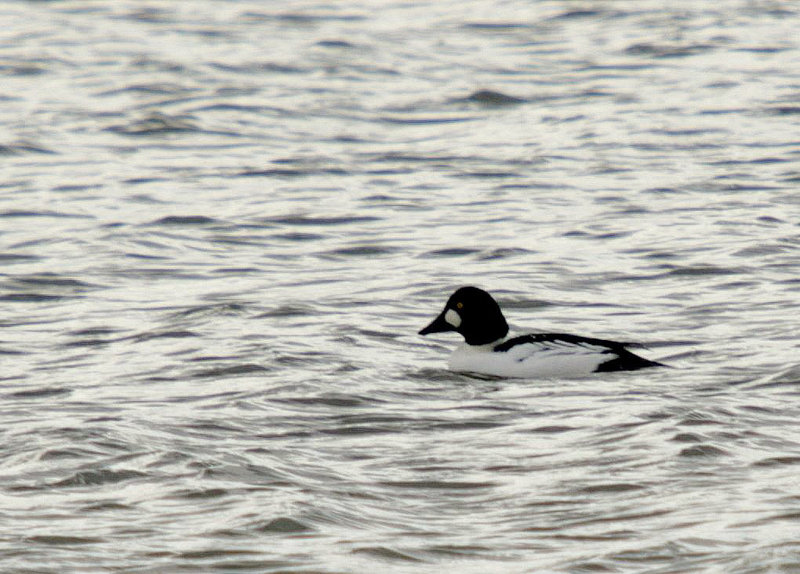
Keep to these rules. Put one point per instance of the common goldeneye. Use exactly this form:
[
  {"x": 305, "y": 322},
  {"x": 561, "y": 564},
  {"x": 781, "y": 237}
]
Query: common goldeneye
[{"x": 474, "y": 314}]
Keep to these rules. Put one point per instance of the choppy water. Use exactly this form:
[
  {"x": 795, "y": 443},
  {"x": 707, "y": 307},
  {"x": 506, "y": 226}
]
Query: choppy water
[{"x": 223, "y": 223}]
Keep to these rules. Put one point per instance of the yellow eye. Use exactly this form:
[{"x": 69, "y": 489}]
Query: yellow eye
[{"x": 459, "y": 305}]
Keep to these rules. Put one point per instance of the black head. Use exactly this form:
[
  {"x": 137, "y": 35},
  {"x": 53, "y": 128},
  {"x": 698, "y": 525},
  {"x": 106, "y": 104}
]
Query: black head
[{"x": 473, "y": 313}]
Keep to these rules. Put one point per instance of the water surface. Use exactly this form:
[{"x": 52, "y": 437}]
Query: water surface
[{"x": 223, "y": 223}]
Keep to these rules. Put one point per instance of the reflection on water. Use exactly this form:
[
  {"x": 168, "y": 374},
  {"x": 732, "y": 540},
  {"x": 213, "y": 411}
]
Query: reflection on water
[{"x": 223, "y": 225}]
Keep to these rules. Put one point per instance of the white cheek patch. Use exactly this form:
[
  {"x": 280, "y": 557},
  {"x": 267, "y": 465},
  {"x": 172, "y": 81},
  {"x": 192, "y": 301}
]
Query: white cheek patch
[{"x": 453, "y": 319}]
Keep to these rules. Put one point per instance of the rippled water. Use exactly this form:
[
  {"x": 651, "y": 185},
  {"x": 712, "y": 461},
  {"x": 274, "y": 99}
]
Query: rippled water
[{"x": 223, "y": 223}]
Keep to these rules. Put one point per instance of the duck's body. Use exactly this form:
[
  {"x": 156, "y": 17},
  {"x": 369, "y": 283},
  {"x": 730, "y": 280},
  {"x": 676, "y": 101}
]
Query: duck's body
[
  {"x": 474, "y": 314},
  {"x": 549, "y": 355}
]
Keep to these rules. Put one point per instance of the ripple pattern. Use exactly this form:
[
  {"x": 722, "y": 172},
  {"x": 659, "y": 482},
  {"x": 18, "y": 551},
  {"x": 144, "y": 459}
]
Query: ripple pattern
[{"x": 223, "y": 224}]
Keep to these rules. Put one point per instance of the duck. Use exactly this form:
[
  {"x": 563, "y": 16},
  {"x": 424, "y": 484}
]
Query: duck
[{"x": 487, "y": 350}]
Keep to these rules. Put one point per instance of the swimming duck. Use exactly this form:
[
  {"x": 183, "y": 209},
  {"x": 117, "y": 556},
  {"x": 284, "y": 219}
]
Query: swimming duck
[{"x": 487, "y": 350}]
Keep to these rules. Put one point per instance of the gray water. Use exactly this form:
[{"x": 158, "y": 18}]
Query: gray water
[{"x": 223, "y": 223}]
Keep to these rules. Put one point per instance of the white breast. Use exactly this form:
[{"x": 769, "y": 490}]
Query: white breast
[{"x": 531, "y": 360}]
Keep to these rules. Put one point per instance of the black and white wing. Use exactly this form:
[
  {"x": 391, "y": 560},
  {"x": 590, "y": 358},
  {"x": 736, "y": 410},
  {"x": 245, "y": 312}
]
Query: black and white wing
[{"x": 576, "y": 352}]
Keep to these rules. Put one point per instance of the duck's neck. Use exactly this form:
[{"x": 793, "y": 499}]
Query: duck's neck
[{"x": 485, "y": 336}]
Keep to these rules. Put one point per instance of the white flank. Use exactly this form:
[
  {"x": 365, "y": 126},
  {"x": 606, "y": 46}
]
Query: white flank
[{"x": 530, "y": 360}]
